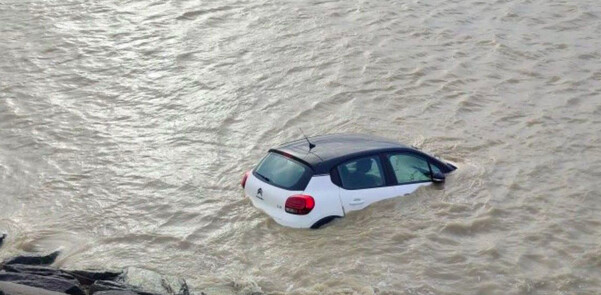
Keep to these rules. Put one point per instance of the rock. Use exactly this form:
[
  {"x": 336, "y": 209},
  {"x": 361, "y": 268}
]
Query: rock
[
  {"x": 105, "y": 286},
  {"x": 2, "y": 237},
  {"x": 34, "y": 259},
  {"x": 150, "y": 281},
  {"x": 8, "y": 288},
  {"x": 38, "y": 270},
  {"x": 88, "y": 277},
  {"x": 50, "y": 283},
  {"x": 100, "y": 285}
]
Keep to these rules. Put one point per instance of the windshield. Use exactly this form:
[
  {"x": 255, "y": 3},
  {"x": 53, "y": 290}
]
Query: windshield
[{"x": 283, "y": 172}]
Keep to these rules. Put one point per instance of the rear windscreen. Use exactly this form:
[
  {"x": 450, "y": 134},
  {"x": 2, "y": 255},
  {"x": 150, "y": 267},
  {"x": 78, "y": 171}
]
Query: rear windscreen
[{"x": 283, "y": 172}]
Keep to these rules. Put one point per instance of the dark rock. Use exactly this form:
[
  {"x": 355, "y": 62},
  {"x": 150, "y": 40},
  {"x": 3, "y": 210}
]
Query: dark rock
[
  {"x": 101, "y": 285},
  {"x": 2, "y": 237},
  {"x": 8, "y": 288},
  {"x": 38, "y": 270},
  {"x": 48, "y": 283},
  {"x": 34, "y": 259},
  {"x": 88, "y": 277}
]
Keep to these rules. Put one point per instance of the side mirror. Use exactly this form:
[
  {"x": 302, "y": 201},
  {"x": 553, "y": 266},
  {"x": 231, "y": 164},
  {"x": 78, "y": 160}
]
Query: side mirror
[{"x": 438, "y": 177}]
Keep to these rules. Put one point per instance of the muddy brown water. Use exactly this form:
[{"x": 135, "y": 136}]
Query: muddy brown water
[{"x": 125, "y": 128}]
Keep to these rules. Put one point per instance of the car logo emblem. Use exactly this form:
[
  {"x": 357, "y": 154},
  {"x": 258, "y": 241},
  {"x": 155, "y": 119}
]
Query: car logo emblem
[{"x": 259, "y": 194}]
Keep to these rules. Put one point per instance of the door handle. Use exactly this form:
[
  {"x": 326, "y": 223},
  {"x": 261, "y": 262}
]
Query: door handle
[{"x": 357, "y": 202}]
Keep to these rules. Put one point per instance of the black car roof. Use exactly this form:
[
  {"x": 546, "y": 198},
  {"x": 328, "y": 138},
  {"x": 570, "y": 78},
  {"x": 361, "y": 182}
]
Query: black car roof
[{"x": 333, "y": 149}]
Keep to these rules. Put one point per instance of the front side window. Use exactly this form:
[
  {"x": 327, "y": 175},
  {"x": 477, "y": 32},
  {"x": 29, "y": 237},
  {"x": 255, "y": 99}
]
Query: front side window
[
  {"x": 410, "y": 169},
  {"x": 283, "y": 172},
  {"x": 361, "y": 173}
]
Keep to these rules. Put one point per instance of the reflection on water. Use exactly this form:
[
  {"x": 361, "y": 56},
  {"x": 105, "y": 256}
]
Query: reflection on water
[{"x": 126, "y": 126}]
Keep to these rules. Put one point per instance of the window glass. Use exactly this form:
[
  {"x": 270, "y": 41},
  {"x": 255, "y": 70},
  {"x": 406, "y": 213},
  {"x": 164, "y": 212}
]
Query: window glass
[
  {"x": 283, "y": 172},
  {"x": 361, "y": 173},
  {"x": 435, "y": 169},
  {"x": 408, "y": 168}
]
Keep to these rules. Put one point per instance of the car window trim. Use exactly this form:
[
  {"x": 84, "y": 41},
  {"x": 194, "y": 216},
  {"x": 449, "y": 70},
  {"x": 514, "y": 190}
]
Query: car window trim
[{"x": 390, "y": 178}]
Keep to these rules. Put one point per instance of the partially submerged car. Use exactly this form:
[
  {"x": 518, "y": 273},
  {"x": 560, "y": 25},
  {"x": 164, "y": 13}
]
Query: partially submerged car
[{"x": 309, "y": 182}]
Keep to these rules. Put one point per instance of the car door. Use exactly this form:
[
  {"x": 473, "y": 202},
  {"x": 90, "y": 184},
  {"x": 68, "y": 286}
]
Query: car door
[
  {"x": 362, "y": 182},
  {"x": 390, "y": 175},
  {"x": 409, "y": 171}
]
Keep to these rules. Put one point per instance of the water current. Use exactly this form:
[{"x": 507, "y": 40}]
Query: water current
[{"x": 126, "y": 126}]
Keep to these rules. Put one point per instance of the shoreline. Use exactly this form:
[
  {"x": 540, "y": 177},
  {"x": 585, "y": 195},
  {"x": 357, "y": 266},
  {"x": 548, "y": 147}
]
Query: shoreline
[{"x": 33, "y": 274}]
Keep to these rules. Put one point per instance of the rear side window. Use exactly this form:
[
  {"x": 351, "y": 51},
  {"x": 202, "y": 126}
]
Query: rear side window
[
  {"x": 283, "y": 172},
  {"x": 361, "y": 173}
]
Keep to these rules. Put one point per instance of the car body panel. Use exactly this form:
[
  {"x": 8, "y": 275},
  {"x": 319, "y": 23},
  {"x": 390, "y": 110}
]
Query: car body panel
[
  {"x": 326, "y": 195},
  {"x": 269, "y": 198},
  {"x": 353, "y": 200},
  {"x": 272, "y": 200}
]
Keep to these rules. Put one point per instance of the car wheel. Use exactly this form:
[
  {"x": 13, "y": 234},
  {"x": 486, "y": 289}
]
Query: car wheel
[{"x": 323, "y": 222}]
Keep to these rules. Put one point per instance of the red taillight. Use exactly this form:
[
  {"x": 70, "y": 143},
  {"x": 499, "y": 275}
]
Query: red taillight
[
  {"x": 244, "y": 178},
  {"x": 300, "y": 204}
]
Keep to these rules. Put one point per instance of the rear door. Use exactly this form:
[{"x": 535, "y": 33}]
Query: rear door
[{"x": 363, "y": 181}]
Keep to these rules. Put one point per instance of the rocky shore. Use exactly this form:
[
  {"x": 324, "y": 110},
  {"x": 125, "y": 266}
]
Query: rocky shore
[{"x": 33, "y": 274}]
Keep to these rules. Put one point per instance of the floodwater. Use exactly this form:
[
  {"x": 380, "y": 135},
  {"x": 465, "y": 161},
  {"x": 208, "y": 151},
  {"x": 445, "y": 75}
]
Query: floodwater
[{"x": 126, "y": 126}]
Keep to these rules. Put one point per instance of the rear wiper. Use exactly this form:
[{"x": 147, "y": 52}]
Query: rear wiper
[{"x": 262, "y": 176}]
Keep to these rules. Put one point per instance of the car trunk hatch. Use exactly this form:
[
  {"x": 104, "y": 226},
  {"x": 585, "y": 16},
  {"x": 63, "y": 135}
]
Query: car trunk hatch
[{"x": 277, "y": 177}]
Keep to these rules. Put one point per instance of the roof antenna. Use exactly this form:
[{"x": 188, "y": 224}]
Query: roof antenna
[{"x": 311, "y": 146}]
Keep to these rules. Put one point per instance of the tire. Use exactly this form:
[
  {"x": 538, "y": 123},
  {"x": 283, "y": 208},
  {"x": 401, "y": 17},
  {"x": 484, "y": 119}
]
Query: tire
[{"x": 323, "y": 222}]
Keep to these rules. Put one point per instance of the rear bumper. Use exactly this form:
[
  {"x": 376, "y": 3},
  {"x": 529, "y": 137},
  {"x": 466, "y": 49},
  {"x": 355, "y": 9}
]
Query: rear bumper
[{"x": 283, "y": 218}]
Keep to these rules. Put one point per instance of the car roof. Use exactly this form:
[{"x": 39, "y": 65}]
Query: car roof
[{"x": 332, "y": 149}]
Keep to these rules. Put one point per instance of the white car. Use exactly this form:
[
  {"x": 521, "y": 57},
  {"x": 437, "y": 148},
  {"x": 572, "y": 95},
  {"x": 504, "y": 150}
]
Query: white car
[{"x": 309, "y": 182}]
